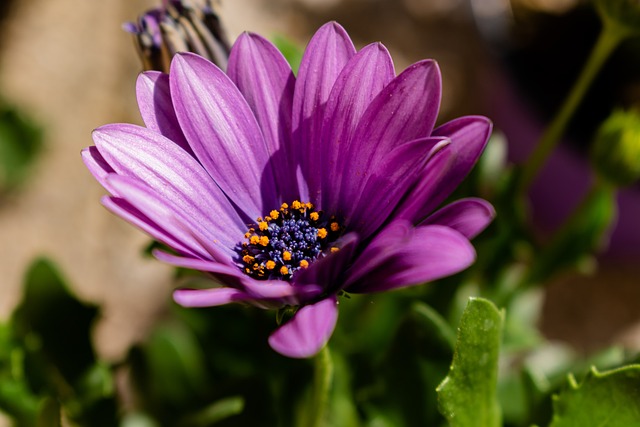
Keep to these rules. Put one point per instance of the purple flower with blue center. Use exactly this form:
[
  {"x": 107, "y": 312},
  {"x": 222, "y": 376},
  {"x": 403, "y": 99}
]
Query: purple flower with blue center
[{"x": 290, "y": 191}]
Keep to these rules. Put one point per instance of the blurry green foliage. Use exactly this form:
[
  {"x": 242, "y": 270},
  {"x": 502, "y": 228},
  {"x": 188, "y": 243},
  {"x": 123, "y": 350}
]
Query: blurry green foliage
[
  {"x": 290, "y": 50},
  {"x": 20, "y": 143}
]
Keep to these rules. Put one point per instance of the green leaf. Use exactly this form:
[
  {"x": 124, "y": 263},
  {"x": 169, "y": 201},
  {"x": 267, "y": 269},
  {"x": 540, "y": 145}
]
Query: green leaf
[
  {"x": 216, "y": 412},
  {"x": 607, "y": 399},
  {"x": 54, "y": 323},
  {"x": 170, "y": 367},
  {"x": 291, "y": 51},
  {"x": 467, "y": 396},
  {"x": 20, "y": 142}
]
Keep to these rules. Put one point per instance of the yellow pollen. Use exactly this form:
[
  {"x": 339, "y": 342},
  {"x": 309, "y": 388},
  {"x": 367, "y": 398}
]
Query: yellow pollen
[
  {"x": 308, "y": 205},
  {"x": 335, "y": 226},
  {"x": 247, "y": 235},
  {"x": 314, "y": 216},
  {"x": 274, "y": 214},
  {"x": 322, "y": 233},
  {"x": 270, "y": 265},
  {"x": 284, "y": 270},
  {"x": 254, "y": 240},
  {"x": 248, "y": 259},
  {"x": 256, "y": 266},
  {"x": 264, "y": 240},
  {"x": 286, "y": 255},
  {"x": 334, "y": 250},
  {"x": 284, "y": 206},
  {"x": 263, "y": 226},
  {"x": 296, "y": 205},
  {"x": 304, "y": 263}
]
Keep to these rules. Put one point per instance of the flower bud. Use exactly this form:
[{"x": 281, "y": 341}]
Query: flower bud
[
  {"x": 623, "y": 13},
  {"x": 180, "y": 26},
  {"x": 616, "y": 149}
]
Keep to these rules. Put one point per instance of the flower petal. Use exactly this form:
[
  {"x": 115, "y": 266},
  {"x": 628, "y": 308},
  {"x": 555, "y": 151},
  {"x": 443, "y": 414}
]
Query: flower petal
[
  {"x": 266, "y": 81},
  {"x": 403, "y": 256},
  {"x": 362, "y": 78},
  {"x": 308, "y": 331},
  {"x": 159, "y": 211},
  {"x": 419, "y": 202},
  {"x": 387, "y": 183},
  {"x": 325, "y": 272},
  {"x": 126, "y": 211},
  {"x": 405, "y": 110},
  {"x": 174, "y": 176},
  {"x": 262, "y": 293},
  {"x": 469, "y": 136},
  {"x": 326, "y": 55},
  {"x": 223, "y": 133},
  {"x": 468, "y": 216},
  {"x": 156, "y": 108},
  {"x": 97, "y": 165},
  {"x": 208, "y": 297}
]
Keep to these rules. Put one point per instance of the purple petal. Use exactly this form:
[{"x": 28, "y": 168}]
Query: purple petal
[
  {"x": 126, "y": 211},
  {"x": 159, "y": 211},
  {"x": 469, "y": 136},
  {"x": 405, "y": 110},
  {"x": 97, "y": 165},
  {"x": 175, "y": 176},
  {"x": 325, "y": 272},
  {"x": 308, "y": 331},
  {"x": 156, "y": 108},
  {"x": 467, "y": 216},
  {"x": 364, "y": 76},
  {"x": 419, "y": 202},
  {"x": 387, "y": 183},
  {"x": 266, "y": 81},
  {"x": 403, "y": 256},
  {"x": 223, "y": 132},
  {"x": 207, "y": 297},
  {"x": 199, "y": 264},
  {"x": 272, "y": 293},
  {"x": 326, "y": 55}
]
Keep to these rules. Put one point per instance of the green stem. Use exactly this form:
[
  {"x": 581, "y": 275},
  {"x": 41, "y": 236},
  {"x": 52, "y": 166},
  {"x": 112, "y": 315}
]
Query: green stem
[
  {"x": 322, "y": 379},
  {"x": 609, "y": 39}
]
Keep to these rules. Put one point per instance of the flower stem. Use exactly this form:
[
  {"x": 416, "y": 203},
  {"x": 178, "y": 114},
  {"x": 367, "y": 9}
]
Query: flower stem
[
  {"x": 610, "y": 37},
  {"x": 322, "y": 379}
]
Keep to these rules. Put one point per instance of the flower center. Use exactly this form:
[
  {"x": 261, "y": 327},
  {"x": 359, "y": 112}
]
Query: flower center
[{"x": 287, "y": 240}]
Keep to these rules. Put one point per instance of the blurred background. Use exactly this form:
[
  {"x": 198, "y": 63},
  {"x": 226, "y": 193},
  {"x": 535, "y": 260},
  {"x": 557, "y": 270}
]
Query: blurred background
[{"x": 68, "y": 67}]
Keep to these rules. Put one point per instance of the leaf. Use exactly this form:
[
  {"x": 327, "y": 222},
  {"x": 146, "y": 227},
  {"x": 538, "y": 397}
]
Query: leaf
[
  {"x": 20, "y": 142},
  {"x": 607, "y": 399},
  {"x": 291, "y": 51},
  {"x": 169, "y": 370},
  {"x": 216, "y": 412},
  {"x": 55, "y": 321},
  {"x": 467, "y": 396}
]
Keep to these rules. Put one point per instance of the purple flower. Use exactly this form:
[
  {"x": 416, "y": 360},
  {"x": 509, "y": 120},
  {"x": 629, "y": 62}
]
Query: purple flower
[{"x": 289, "y": 190}]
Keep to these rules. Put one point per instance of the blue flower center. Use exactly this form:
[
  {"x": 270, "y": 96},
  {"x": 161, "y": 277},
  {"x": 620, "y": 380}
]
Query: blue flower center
[{"x": 287, "y": 240}]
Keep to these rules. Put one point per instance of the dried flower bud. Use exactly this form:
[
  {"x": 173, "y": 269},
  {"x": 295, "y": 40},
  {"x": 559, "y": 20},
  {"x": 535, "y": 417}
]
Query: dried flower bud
[
  {"x": 616, "y": 149},
  {"x": 625, "y": 14},
  {"x": 180, "y": 26}
]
